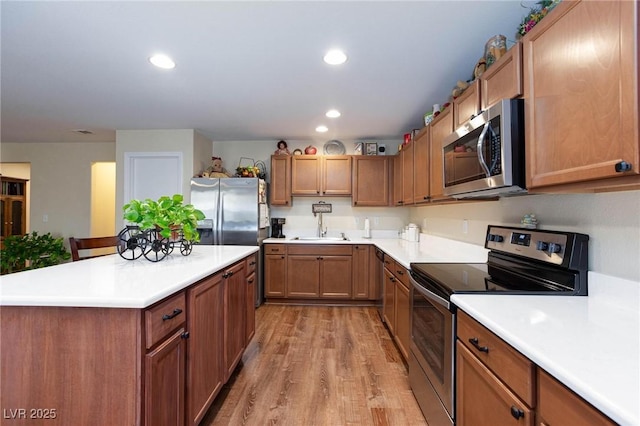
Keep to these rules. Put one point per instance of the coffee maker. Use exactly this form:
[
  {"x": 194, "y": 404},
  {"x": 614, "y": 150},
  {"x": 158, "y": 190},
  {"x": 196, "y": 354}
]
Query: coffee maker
[{"x": 276, "y": 227}]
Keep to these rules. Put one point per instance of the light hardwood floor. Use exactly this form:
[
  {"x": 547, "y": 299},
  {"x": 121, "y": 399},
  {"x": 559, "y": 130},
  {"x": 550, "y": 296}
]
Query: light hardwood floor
[{"x": 311, "y": 365}]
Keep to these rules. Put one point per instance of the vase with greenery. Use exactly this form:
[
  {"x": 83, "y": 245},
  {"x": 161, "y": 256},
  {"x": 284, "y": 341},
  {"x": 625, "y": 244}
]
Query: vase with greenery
[
  {"x": 167, "y": 215},
  {"x": 31, "y": 251}
]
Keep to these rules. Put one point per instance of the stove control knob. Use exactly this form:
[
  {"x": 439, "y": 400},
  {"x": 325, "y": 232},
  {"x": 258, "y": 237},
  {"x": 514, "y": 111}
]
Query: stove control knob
[
  {"x": 542, "y": 246},
  {"x": 491, "y": 237},
  {"x": 548, "y": 247},
  {"x": 498, "y": 238}
]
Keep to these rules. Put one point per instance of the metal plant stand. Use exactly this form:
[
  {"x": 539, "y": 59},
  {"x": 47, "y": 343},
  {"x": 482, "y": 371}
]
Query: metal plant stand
[{"x": 134, "y": 243}]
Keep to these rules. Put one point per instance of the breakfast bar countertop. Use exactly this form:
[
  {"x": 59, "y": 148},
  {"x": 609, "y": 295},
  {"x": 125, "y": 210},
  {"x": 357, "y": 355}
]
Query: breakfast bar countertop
[{"x": 113, "y": 282}]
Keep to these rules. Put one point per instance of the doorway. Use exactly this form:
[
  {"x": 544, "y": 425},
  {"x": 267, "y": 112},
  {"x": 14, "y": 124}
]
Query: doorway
[{"x": 103, "y": 199}]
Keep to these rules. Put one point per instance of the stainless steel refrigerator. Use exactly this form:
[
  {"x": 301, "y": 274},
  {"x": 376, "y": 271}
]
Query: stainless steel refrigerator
[{"x": 235, "y": 213}]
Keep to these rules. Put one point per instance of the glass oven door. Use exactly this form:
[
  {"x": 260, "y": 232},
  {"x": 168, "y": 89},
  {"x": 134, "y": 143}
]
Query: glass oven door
[{"x": 432, "y": 340}]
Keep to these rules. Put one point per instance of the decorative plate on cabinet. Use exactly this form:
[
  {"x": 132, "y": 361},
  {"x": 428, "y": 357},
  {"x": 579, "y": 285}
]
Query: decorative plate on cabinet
[{"x": 334, "y": 147}]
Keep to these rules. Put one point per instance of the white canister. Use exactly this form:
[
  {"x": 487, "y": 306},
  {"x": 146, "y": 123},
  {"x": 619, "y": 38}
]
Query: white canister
[{"x": 413, "y": 232}]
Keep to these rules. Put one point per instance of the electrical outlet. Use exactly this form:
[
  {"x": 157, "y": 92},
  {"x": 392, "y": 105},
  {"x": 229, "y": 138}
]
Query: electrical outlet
[
  {"x": 376, "y": 220},
  {"x": 465, "y": 226}
]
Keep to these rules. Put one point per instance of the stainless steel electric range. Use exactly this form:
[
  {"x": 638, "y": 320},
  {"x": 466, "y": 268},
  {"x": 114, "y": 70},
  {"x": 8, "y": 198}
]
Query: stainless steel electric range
[{"x": 520, "y": 261}]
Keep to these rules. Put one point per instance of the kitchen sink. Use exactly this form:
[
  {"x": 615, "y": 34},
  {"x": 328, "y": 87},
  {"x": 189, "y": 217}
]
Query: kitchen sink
[{"x": 321, "y": 238}]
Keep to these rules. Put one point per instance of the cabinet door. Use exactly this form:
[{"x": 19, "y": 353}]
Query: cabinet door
[
  {"x": 482, "y": 399},
  {"x": 466, "y": 105},
  {"x": 503, "y": 80},
  {"x": 303, "y": 276},
  {"x": 407, "y": 174},
  {"x": 275, "y": 275},
  {"x": 235, "y": 316},
  {"x": 205, "y": 369},
  {"x": 336, "y": 277},
  {"x": 403, "y": 319},
  {"x": 441, "y": 127},
  {"x": 388, "y": 301},
  {"x": 305, "y": 175},
  {"x": 370, "y": 181},
  {"x": 336, "y": 175},
  {"x": 558, "y": 405},
  {"x": 13, "y": 217},
  {"x": 397, "y": 180},
  {"x": 250, "y": 324},
  {"x": 165, "y": 382},
  {"x": 580, "y": 90},
  {"x": 421, "y": 167},
  {"x": 280, "y": 188},
  {"x": 361, "y": 272}
]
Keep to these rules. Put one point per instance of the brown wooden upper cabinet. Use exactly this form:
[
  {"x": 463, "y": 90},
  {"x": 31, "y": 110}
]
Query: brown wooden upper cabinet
[
  {"x": 407, "y": 174},
  {"x": 14, "y": 206},
  {"x": 321, "y": 175},
  {"x": 422, "y": 167},
  {"x": 280, "y": 188},
  {"x": 503, "y": 80},
  {"x": 397, "y": 180},
  {"x": 466, "y": 105},
  {"x": 440, "y": 128},
  {"x": 370, "y": 180},
  {"x": 581, "y": 98}
]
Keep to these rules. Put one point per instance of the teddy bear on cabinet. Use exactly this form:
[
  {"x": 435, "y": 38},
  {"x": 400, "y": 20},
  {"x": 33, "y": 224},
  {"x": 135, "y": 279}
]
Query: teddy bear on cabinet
[{"x": 215, "y": 170}]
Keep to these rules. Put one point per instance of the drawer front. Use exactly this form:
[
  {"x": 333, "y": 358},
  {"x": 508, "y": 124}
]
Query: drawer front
[
  {"x": 389, "y": 263},
  {"x": 162, "y": 319},
  {"x": 275, "y": 249},
  {"x": 320, "y": 250},
  {"x": 402, "y": 275},
  {"x": 513, "y": 368},
  {"x": 252, "y": 261}
]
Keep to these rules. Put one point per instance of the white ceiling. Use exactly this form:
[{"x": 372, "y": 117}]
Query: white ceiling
[{"x": 245, "y": 70}]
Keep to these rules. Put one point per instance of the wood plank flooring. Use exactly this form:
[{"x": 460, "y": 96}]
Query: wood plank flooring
[{"x": 312, "y": 365}]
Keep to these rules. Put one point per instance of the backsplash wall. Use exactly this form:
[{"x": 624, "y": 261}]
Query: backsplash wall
[{"x": 612, "y": 221}]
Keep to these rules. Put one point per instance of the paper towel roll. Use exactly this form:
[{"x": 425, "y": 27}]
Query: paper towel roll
[{"x": 367, "y": 228}]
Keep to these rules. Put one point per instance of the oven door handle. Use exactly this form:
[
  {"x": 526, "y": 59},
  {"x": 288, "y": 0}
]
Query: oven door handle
[{"x": 430, "y": 295}]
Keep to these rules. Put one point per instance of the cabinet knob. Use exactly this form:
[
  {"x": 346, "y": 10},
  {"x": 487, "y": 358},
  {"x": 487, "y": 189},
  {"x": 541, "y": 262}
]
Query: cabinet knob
[
  {"x": 185, "y": 335},
  {"x": 622, "y": 167},
  {"x": 516, "y": 412}
]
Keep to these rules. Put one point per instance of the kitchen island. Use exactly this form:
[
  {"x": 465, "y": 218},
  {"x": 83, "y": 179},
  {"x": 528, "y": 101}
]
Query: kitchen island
[{"x": 110, "y": 341}]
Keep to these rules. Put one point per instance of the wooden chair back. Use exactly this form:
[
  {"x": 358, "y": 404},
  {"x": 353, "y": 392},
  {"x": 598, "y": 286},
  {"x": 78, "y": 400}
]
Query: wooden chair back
[{"x": 82, "y": 244}]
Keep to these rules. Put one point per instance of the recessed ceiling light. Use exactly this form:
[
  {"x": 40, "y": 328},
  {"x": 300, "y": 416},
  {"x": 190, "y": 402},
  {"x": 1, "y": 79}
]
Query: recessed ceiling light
[
  {"x": 333, "y": 113},
  {"x": 322, "y": 129},
  {"x": 335, "y": 57},
  {"x": 162, "y": 61}
]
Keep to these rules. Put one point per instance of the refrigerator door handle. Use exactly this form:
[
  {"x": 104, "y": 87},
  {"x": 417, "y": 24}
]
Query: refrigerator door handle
[{"x": 220, "y": 219}]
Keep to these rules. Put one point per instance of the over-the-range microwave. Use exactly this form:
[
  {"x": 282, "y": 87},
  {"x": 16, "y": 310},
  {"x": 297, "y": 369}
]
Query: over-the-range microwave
[{"x": 485, "y": 156}]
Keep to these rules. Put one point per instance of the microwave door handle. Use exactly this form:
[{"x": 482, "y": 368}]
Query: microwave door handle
[{"x": 480, "y": 149}]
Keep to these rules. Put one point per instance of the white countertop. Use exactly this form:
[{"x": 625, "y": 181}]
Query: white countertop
[
  {"x": 429, "y": 249},
  {"x": 591, "y": 344},
  {"x": 113, "y": 282}
]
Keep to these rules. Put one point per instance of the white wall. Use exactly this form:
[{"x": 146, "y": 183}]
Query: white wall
[
  {"x": 195, "y": 149},
  {"x": 612, "y": 221},
  {"x": 60, "y": 184}
]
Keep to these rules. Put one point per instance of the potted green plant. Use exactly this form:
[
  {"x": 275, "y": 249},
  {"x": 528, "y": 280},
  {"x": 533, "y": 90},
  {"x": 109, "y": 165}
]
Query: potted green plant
[
  {"x": 31, "y": 251},
  {"x": 168, "y": 215}
]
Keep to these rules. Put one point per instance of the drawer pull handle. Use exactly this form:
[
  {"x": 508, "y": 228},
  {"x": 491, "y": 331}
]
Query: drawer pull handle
[
  {"x": 250, "y": 281},
  {"x": 175, "y": 313},
  {"x": 474, "y": 342},
  {"x": 623, "y": 166},
  {"x": 400, "y": 272},
  {"x": 185, "y": 335},
  {"x": 516, "y": 412},
  {"x": 252, "y": 263}
]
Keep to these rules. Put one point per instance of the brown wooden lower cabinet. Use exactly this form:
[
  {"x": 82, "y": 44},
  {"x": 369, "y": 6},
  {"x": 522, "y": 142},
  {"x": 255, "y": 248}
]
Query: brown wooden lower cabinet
[
  {"x": 205, "y": 372},
  {"x": 482, "y": 398},
  {"x": 558, "y": 405},
  {"x": 403, "y": 318},
  {"x": 388, "y": 301},
  {"x": 250, "y": 325},
  {"x": 162, "y": 365},
  {"x": 165, "y": 381},
  {"x": 497, "y": 385}
]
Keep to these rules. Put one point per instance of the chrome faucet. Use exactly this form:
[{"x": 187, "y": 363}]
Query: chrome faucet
[{"x": 322, "y": 230}]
